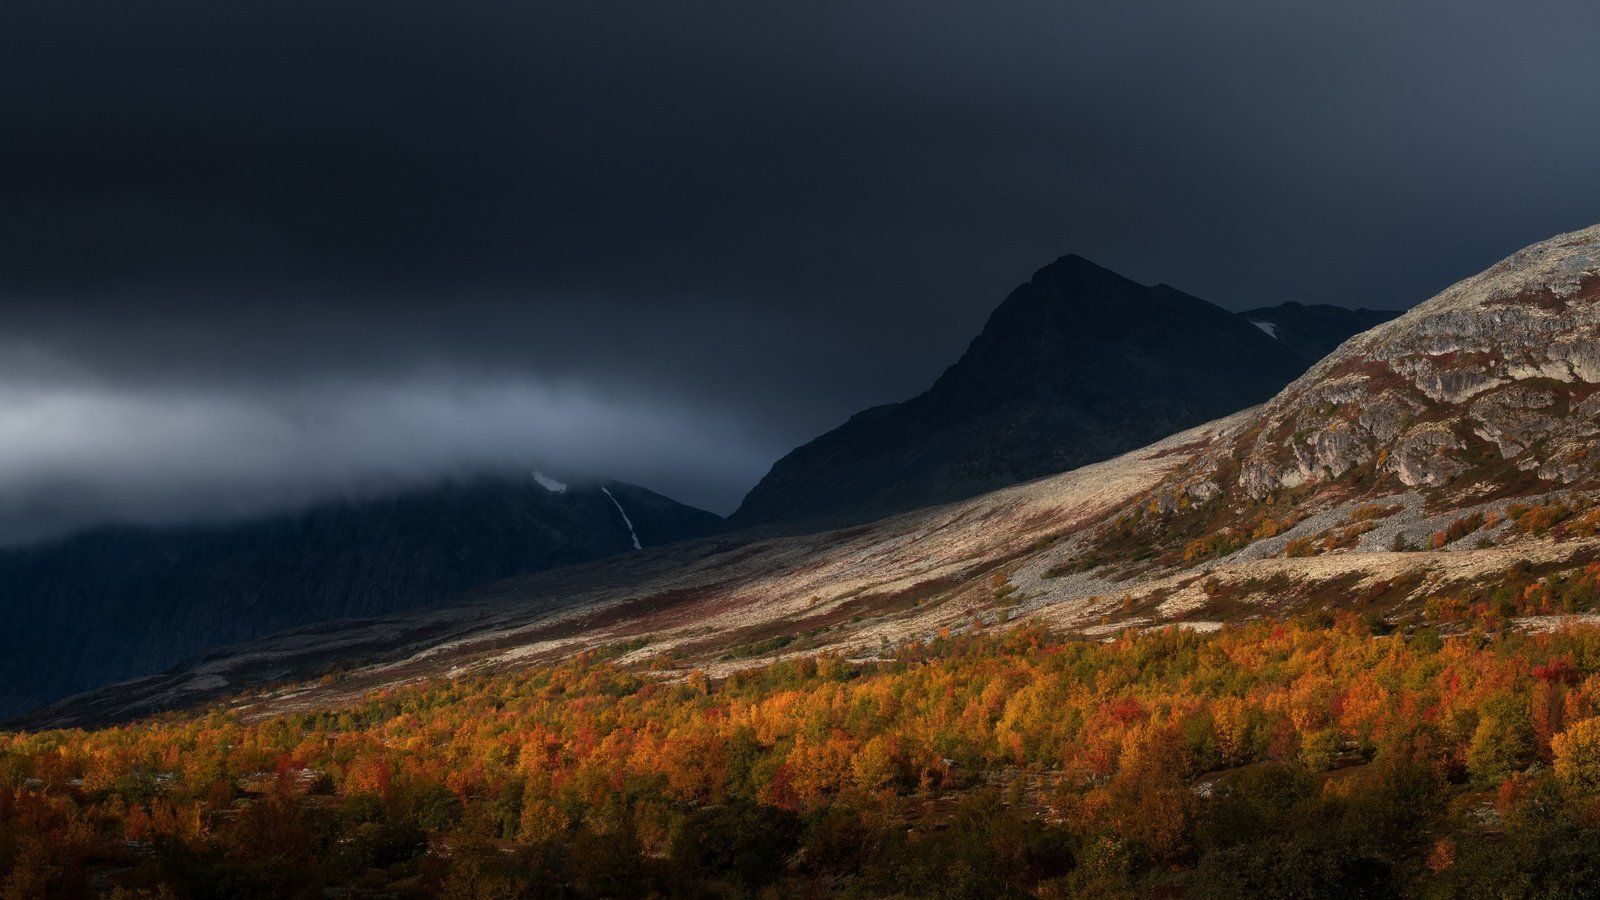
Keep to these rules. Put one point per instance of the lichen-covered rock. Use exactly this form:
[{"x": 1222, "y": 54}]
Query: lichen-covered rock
[
  {"x": 1259, "y": 478},
  {"x": 1340, "y": 447},
  {"x": 1348, "y": 389},
  {"x": 1581, "y": 356},
  {"x": 1456, "y": 385},
  {"x": 1586, "y": 412},
  {"x": 1568, "y": 463},
  {"x": 1515, "y": 417},
  {"x": 1387, "y": 414},
  {"x": 1424, "y": 455}
]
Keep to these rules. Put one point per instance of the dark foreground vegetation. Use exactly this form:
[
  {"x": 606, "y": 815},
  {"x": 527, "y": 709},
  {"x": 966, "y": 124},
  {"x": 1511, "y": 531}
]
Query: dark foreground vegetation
[{"x": 1306, "y": 759}]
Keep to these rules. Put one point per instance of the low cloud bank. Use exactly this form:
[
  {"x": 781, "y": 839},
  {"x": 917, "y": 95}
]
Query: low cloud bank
[{"x": 80, "y": 454}]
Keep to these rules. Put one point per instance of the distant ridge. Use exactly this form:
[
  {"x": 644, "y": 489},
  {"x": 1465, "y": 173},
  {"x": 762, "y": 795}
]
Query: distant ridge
[
  {"x": 1317, "y": 330},
  {"x": 117, "y": 602}
]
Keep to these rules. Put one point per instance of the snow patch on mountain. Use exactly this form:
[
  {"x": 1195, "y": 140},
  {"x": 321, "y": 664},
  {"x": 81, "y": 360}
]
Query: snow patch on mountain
[
  {"x": 550, "y": 484},
  {"x": 626, "y": 521},
  {"x": 1268, "y": 327}
]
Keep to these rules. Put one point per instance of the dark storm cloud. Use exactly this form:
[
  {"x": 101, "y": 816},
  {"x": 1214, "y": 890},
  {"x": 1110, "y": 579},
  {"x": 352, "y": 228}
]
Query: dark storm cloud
[{"x": 256, "y": 249}]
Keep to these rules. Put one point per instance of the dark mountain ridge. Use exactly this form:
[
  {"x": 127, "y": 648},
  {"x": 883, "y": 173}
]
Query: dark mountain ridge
[
  {"x": 117, "y": 602},
  {"x": 1315, "y": 331},
  {"x": 1077, "y": 365}
]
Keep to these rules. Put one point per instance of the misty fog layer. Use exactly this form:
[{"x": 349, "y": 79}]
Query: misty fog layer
[{"x": 80, "y": 454}]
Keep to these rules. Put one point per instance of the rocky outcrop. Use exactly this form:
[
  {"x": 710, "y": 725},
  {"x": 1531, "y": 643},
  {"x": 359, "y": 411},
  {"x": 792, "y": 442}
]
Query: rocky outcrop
[
  {"x": 1516, "y": 417},
  {"x": 1426, "y": 455},
  {"x": 1496, "y": 375}
]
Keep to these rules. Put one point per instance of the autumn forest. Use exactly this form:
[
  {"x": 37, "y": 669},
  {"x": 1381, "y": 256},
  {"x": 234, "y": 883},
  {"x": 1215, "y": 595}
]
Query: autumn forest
[{"x": 1312, "y": 758}]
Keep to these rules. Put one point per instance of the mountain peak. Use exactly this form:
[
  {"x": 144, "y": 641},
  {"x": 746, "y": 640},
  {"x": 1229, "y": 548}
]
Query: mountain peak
[
  {"x": 1077, "y": 364},
  {"x": 1073, "y": 269},
  {"x": 1068, "y": 261}
]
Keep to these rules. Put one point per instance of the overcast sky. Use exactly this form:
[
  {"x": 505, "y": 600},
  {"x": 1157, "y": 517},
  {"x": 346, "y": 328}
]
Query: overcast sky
[{"x": 258, "y": 252}]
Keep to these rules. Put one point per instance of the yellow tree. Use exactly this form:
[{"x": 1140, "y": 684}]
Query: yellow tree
[{"x": 1577, "y": 755}]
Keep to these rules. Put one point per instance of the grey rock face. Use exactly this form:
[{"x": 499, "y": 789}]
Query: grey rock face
[
  {"x": 1338, "y": 448},
  {"x": 1500, "y": 367},
  {"x": 1424, "y": 455},
  {"x": 1515, "y": 417},
  {"x": 1385, "y": 415},
  {"x": 1456, "y": 385}
]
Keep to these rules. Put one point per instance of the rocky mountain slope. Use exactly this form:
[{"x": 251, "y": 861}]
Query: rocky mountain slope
[
  {"x": 1441, "y": 458},
  {"x": 1432, "y": 471},
  {"x": 1486, "y": 392},
  {"x": 113, "y": 603},
  {"x": 1077, "y": 365}
]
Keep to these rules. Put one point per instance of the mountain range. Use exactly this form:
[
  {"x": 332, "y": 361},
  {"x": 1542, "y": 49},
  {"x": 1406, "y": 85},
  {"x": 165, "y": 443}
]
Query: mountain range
[
  {"x": 1436, "y": 462},
  {"x": 1075, "y": 366}
]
